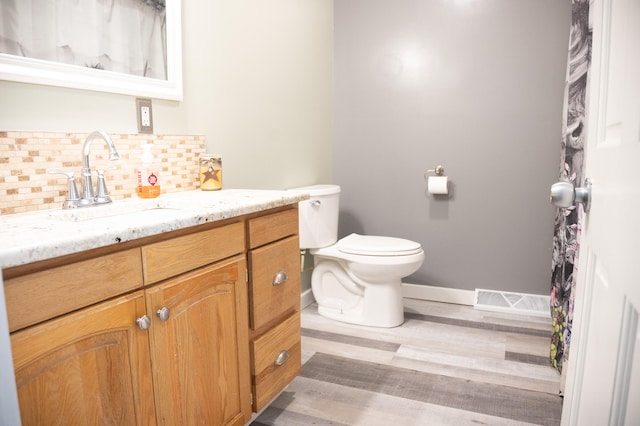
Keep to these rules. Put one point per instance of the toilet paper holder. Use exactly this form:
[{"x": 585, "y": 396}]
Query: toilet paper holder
[{"x": 438, "y": 171}]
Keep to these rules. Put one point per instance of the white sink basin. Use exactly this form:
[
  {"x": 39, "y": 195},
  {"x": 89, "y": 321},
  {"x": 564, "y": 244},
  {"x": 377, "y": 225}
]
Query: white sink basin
[{"x": 187, "y": 202}]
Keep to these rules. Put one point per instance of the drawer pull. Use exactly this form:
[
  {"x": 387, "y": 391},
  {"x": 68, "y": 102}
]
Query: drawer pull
[
  {"x": 280, "y": 278},
  {"x": 282, "y": 357},
  {"x": 163, "y": 313},
  {"x": 144, "y": 322}
]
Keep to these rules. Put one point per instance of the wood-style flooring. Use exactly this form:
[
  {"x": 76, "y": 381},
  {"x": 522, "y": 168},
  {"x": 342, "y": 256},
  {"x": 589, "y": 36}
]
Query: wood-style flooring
[{"x": 446, "y": 365}]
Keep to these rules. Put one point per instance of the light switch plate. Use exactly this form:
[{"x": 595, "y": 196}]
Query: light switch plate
[{"x": 145, "y": 115}]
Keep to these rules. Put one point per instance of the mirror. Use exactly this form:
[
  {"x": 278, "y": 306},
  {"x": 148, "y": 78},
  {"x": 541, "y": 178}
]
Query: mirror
[{"x": 131, "y": 47}]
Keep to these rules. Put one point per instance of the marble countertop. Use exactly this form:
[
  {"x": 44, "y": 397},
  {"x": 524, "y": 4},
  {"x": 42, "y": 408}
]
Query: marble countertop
[{"x": 34, "y": 236}]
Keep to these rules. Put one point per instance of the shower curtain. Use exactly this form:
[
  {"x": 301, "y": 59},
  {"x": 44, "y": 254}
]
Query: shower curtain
[{"x": 568, "y": 221}]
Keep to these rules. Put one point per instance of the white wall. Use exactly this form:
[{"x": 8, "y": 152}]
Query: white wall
[{"x": 257, "y": 84}]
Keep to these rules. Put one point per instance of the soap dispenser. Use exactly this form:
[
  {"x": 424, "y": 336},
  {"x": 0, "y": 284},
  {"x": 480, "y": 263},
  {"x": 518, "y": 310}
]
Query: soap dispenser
[{"x": 148, "y": 181}]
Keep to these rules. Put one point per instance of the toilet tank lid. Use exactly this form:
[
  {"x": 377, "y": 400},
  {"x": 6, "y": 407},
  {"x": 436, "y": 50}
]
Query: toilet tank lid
[
  {"x": 378, "y": 246},
  {"x": 317, "y": 190}
]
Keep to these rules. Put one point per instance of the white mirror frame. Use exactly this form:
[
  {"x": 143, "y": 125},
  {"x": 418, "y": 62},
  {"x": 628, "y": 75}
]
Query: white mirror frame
[{"x": 28, "y": 70}]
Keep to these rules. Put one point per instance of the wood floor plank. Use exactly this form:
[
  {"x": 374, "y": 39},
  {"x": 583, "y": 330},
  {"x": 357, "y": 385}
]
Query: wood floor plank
[
  {"x": 550, "y": 387},
  {"x": 446, "y": 365},
  {"x": 352, "y": 340},
  {"x": 505, "y": 328},
  {"x": 533, "y": 345},
  {"x": 448, "y": 310},
  {"x": 480, "y": 342},
  {"x": 527, "y": 358},
  {"x": 348, "y": 351},
  {"x": 288, "y": 417},
  {"x": 489, "y": 365},
  {"x": 332, "y": 404},
  {"x": 494, "y": 400}
]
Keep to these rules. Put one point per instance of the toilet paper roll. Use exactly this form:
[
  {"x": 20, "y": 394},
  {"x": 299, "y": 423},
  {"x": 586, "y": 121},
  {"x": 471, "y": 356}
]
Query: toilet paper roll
[{"x": 438, "y": 185}]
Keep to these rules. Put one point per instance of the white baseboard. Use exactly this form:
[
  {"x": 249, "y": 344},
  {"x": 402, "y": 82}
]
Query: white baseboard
[
  {"x": 439, "y": 294},
  {"x": 416, "y": 291},
  {"x": 481, "y": 299},
  {"x": 306, "y": 298}
]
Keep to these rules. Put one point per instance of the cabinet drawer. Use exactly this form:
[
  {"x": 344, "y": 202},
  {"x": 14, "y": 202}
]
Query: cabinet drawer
[
  {"x": 271, "y": 369},
  {"x": 181, "y": 254},
  {"x": 43, "y": 295},
  {"x": 272, "y": 227},
  {"x": 270, "y": 296}
]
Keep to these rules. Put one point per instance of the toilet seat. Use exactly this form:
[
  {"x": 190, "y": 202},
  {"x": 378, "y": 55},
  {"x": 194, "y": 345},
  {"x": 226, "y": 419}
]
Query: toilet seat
[{"x": 370, "y": 245}]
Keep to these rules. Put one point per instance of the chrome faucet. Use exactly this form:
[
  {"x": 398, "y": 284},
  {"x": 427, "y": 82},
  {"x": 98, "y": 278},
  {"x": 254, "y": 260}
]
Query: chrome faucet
[{"x": 88, "y": 197}]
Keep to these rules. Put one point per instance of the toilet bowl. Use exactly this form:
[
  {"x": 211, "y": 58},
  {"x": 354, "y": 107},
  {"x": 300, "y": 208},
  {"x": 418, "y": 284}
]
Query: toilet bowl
[{"x": 356, "y": 279}]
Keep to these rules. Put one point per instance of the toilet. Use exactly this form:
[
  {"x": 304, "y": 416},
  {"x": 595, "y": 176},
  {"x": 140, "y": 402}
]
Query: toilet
[{"x": 356, "y": 279}]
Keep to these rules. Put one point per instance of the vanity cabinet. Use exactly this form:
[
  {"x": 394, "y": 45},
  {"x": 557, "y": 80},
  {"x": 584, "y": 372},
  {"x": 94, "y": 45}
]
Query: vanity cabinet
[
  {"x": 274, "y": 304},
  {"x": 196, "y": 327}
]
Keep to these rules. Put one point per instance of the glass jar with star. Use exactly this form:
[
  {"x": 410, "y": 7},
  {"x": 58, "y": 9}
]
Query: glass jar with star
[{"x": 210, "y": 172}]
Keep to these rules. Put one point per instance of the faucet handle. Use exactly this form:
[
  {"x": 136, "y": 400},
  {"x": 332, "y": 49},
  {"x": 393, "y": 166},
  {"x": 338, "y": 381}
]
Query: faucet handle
[
  {"x": 73, "y": 197},
  {"x": 102, "y": 197}
]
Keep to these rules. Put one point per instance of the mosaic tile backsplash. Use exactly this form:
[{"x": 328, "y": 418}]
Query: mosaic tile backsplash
[{"x": 26, "y": 158}]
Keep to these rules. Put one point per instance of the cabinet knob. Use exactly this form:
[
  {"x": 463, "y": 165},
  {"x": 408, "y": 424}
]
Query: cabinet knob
[
  {"x": 282, "y": 357},
  {"x": 163, "y": 313},
  {"x": 280, "y": 278},
  {"x": 144, "y": 322}
]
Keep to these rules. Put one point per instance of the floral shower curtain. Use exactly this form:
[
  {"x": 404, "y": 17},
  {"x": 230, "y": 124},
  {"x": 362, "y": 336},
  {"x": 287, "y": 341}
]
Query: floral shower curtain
[{"x": 568, "y": 221}]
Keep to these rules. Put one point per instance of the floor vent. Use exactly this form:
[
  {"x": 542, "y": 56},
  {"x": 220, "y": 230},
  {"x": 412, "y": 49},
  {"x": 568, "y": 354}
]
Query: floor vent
[{"x": 505, "y": 301}]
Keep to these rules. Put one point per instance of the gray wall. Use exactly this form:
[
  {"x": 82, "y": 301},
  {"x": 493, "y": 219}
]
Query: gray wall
[{"x": 476, "y": 86}]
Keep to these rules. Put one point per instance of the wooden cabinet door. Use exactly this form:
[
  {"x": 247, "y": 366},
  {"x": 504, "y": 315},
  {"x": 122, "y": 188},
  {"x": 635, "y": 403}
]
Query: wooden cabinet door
[
  {"x": 200, "y": 353},
  {"x": 91, "y": 367}
]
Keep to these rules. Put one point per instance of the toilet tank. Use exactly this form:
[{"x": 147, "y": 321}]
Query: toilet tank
[{"x": 318, "y": 216}]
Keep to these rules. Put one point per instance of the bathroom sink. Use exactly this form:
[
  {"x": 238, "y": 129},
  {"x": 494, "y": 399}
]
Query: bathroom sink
[
  {"x": 173, "y": 205},
  {"x": 115, "y": 209}
]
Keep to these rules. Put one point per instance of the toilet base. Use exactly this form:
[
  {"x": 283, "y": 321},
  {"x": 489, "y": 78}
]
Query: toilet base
[
  {"x": 352, "y": 317},
  {"x": 341, "y": 299}
]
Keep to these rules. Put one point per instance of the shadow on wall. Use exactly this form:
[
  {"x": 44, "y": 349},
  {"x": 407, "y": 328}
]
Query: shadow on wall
[
  {"x": 439, "y": 203},
  {"x": 346, "y": 220}
]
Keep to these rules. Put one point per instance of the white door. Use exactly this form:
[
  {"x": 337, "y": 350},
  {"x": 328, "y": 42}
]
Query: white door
[{"x": 603, "y": 376}]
